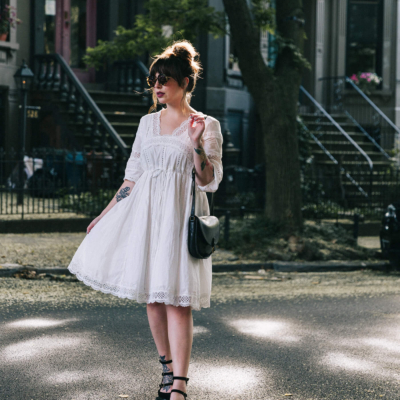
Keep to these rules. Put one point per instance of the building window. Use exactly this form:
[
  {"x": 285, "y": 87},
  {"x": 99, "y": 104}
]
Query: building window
[
  {"x": 3, "y": 99},
  {"x": 272, "y": 46},
  {"x": 233, "y": 75},
  {"x": 233, "y": 62},
  {"x": 49, "y": 26},
  {"x": 235, "y": 119},
  {"x": 364, "y": 36},
  {"x": 4, "y": 3}
]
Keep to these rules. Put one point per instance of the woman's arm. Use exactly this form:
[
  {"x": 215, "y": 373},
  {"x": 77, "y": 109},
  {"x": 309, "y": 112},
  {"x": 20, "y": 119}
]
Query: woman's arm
[
  {"x": 204, "y": 168},
  {"x": 207, "y": 154},
  {"x": 123, "y": 192}
]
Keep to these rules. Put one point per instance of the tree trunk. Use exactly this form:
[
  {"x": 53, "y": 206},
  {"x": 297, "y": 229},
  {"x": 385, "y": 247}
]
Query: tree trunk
[{"x": 276, "y": 95}]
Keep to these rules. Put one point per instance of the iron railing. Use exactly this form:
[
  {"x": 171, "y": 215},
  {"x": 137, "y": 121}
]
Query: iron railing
[
  {"x": 325, "y": 128},
  {"x": 69, "y": 182},
  {"x": 128, "y": 76},
  {"x": 340, "y": 94},
  {"x": 334, "y": 160}
]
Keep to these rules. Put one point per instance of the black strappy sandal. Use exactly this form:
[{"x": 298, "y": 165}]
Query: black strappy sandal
[
  {"x": 162, "y": 395},
  {"x": 180, "y": 391}
]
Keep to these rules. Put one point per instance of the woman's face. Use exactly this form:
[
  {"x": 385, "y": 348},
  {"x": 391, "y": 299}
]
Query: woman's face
[{"x": 171, "y": 92}]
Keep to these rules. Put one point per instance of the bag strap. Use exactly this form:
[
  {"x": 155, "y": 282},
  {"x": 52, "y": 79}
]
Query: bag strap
[{"x": 194, "y": 195}]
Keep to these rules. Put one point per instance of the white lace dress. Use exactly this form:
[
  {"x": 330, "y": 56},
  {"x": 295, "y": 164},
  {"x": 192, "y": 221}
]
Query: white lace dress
[{"x": 139, "y": 249}]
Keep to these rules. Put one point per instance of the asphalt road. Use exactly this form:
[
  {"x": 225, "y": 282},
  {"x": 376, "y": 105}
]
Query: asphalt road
[{"x": 274, "y": 336}]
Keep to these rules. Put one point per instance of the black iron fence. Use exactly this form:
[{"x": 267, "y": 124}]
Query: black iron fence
[
  {"x": 62, "y": 181},
  {"x": 58, "y": 181},
  {"x": 333, "y": 191}
]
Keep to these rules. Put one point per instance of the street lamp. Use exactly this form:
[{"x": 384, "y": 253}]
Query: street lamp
[{"x": 23, "y": 79}]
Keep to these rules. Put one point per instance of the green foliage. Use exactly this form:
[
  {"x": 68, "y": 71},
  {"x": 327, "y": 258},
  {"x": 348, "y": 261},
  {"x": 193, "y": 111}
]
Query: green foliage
[
  {"x": 322, "y": 209},
  {"x": 310, "y": 188},
  {"x": 186, "y": 18},
  {"x": 305, "y": 152},
  {"x": 87, "y": 202},
  {"x": 249, "y": 233},
  {"x": 264, "y": 15},
  {"x": 258, "y": 238},
  {"x": 299, "y": 61}
]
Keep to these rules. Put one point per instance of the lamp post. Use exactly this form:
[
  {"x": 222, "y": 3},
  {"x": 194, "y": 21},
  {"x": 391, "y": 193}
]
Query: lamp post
[{"x": 23, "y": 79}]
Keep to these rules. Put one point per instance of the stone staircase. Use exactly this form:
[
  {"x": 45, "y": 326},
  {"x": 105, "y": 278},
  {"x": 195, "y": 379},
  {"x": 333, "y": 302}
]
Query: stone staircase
[
  {"x": 383, "y": 184},
  {"x": 122, "y": 110}
]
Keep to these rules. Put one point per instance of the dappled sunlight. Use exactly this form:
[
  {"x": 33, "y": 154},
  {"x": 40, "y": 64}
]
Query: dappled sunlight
[
  {"x": 383, "y": 344},
  {"x": 376, "y": 353},
  {"x": 88, "y": 375},
  {"x": 200, "y": 329},
  {"x": 32, "y": 323},
  {"x": 227, "y": 379},
  {"x": 266, "y": 328},
  {"x": 343, "y": 361},
  {"x": 38, "y": 347}
]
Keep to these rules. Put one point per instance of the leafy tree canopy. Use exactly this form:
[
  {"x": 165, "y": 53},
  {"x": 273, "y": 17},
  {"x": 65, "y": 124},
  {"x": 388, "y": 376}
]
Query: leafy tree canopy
[{"x": 181, "y": 18}]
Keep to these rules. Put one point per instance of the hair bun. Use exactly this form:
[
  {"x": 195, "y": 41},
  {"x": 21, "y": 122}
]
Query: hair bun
[{"x": 184, "y": 50}]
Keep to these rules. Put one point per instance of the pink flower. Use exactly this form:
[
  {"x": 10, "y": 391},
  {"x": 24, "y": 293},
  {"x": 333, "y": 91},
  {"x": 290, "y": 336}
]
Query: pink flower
[{"x": 354, "y": 78}]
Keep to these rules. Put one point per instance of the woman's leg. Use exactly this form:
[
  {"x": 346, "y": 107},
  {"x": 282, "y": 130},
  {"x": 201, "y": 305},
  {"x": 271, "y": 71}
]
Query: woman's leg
[
  {"x": 180, "y": 333},
  {"x": 157, "y": 316}
]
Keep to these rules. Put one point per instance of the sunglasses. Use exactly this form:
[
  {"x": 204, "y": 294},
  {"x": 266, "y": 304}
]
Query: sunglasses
[{"x": 162, "y": 79}]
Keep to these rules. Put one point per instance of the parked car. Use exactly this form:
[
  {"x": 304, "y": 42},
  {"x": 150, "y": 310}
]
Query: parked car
[{"x": 390, "y": 235}]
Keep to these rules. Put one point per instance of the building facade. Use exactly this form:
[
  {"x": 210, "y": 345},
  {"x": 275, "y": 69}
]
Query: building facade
[{"x": 343, "y": 37}]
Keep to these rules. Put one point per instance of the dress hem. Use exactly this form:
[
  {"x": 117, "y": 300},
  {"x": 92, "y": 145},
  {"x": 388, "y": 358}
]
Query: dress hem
[{"x": 124, "y": 293}]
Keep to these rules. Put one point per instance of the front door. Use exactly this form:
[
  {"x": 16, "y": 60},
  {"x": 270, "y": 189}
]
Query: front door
[{"x": 75, "y": 30}]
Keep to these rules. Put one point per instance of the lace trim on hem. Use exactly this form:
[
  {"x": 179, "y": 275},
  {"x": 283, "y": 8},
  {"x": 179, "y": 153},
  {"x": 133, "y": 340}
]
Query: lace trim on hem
[{"x": 159, "y": 297}]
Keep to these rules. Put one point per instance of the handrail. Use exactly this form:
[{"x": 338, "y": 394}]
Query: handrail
[
  {"x": 87, "y": 99},
  {"x": 355, "y": 122},
  {"x": 130, "y": 76},
  {"x": 333, "y": 159},
  {"x": 341, "y": 130},
  {"x": 372, "y": 104}
]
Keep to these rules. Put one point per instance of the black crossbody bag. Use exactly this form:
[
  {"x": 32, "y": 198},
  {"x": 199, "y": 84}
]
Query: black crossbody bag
[{"x": 203, "y": 231}]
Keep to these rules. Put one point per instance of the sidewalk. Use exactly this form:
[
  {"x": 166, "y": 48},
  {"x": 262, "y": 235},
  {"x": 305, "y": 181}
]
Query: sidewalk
[{"x": 51, "y": 253}]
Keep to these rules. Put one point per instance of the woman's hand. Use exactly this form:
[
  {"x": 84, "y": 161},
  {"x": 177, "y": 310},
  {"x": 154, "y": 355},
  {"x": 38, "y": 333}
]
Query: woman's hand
[
  {"x": 92, "y": 224},
  {"x": 196, "y": 127}
]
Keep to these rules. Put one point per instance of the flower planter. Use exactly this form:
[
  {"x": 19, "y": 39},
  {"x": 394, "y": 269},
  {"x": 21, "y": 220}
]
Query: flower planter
[{"x": 3, "y": 37}]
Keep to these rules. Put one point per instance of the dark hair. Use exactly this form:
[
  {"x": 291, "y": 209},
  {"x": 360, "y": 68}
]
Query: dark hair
[{"x": 179, "y": 60}]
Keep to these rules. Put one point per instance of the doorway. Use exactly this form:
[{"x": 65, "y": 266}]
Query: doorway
[{"x": 69, "y": 28}]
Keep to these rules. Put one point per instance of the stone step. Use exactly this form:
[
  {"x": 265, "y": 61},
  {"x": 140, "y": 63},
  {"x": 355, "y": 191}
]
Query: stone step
[
  {"x": 112, "y": 116},
  {"x": 312, "y": 117},
  {"x": 335, "y": 135},
  {"x": 332, "y": 145},
  {"x": 346, "y": 126},
  {"x": 348, "y": 155},
  {"x": 122, "y": 106}
]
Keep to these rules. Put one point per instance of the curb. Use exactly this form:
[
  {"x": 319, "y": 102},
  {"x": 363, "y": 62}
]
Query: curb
[
  {"x": 8, "y": 270},
  {"x": 49, "y": 225}
]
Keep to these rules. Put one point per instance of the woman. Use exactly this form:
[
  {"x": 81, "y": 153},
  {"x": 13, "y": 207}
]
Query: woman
[{"x": 137, "y": 247}]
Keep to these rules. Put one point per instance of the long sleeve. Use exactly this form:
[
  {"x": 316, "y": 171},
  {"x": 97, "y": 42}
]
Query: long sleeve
[
  {"x": 212, "y": 144},
  {"x": 133, "y": 169}
]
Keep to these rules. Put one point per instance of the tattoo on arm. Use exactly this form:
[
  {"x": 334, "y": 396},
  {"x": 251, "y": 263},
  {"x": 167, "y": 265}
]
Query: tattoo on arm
[
  {"x": 204, "y": 160},
  {"x": 122, "y": 193}
]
